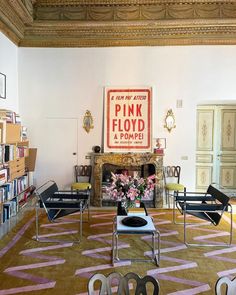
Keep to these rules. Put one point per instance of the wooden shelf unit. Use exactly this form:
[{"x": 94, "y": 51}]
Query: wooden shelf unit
[
  {"x": 13, "y": 133},
  {"x": 14, "y": 156}
]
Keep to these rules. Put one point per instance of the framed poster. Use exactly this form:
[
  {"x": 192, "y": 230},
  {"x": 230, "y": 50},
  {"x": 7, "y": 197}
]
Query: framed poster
[
  {"x": 2, "y": 85},
  {"x": 128, "y": 119}
]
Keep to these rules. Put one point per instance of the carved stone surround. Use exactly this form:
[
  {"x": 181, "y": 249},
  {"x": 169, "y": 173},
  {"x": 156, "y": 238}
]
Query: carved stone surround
[
  {"x": 125, "y": 160},
  {"x": 83, "y": 23}
]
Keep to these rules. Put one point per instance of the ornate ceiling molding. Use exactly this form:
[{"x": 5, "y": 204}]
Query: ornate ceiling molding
[
  {"x": 120, "y": 2},
  {"x": 159, "y": 11},
  {"x": 83, "y": 23}
]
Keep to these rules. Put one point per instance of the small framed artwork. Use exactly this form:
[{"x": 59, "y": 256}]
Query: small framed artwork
[
  {"x": 159, "y": 144},
  {"x": 2, "y": 85}
]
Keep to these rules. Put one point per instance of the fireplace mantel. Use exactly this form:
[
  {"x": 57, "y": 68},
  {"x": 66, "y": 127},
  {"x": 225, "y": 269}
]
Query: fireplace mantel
[{"x": 124, "y": 160}]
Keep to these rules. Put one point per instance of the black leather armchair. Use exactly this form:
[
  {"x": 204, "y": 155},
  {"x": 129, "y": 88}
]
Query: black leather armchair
[
  {"x": 209, "y": 206},
  {"x": 60, "y": 203}
]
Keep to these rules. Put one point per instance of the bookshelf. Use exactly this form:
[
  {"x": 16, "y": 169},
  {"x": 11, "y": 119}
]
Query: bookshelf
[{"x": 16, "y": 162}]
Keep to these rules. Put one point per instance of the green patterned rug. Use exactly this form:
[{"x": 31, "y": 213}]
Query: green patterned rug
[{"x": 59, "y": 267}]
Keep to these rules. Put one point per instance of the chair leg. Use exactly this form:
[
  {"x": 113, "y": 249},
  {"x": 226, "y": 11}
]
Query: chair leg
[
  {"x": 167, "y": 197},
  {"x": 81, "y": 219},
  {"x": 37, "y": 234},
  {"x": 88, "y": 208},
  {"x": 231, "y": 225},
  {"x": 210, "y": 245},
  {"x": 37, "y": 221},
  {"x": 175, "y": 207},
  {"x": 173, "y": 213}
]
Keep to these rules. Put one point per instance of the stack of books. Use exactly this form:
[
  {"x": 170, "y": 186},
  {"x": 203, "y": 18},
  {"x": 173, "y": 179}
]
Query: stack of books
[
  {"x": 136, "y": 212},
  {"x": 10, "y": 116}
]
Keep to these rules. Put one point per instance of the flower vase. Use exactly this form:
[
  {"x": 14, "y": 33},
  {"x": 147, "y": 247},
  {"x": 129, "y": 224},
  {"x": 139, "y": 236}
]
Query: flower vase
[
  {"x": 133, "y": 204},
  {"x": 130, "y": 204},
  {"x": 137, "y": 203},
  {"x": 124, "y": 204}
]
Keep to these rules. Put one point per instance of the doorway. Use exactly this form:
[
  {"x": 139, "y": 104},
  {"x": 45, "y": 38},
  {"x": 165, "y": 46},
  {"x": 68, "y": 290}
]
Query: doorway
[
  {"x": 58, "y": 151},
  {"x": 216, "y": 146}
]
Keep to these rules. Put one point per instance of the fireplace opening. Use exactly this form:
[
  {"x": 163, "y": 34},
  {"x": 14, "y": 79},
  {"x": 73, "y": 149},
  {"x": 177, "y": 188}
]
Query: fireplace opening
[
  {"x": 144, "y": 164},
  {"x": 141, "y": 171}
]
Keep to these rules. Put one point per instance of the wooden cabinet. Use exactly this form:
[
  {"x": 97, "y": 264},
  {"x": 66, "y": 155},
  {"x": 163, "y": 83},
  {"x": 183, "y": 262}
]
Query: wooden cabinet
[
  {"x": 13, "y": 133},
  {"x": 16, "y": 168}
]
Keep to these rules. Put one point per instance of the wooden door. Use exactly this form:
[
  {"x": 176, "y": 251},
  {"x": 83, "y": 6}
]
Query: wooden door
[
  {"x": 226, "y": 155},
  {"x": 216, "y": 146},
  {"x": 57, "y": 154}
]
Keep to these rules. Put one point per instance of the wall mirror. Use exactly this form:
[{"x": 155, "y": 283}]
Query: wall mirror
[{"x": 169, "y": 120}]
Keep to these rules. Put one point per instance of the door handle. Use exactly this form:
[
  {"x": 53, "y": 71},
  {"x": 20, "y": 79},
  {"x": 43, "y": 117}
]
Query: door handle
[{"x": 74, "y": 154}]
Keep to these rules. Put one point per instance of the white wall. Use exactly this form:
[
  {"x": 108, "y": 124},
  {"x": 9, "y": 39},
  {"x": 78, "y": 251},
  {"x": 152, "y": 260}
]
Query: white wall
[
  {"x": 64, "y": 83},
  {"x": 9, "y": 67}
]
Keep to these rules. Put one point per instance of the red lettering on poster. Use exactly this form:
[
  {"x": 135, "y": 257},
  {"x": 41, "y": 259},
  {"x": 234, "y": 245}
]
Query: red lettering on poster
[{"x": 128, "y": 119}]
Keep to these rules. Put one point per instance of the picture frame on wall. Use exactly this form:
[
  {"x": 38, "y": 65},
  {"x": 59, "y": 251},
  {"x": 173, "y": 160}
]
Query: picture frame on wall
[
  {"x": 159, "y": 144},
  {"x": 2, "y": 86},
  {"x": 128, "y": 119}
]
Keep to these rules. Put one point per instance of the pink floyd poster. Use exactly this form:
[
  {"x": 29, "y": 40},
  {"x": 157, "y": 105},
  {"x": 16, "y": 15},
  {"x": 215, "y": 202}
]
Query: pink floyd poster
[{"x": 128, "y": 119}]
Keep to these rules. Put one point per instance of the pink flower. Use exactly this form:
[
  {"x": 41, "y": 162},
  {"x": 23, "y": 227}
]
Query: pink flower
[{"x": 132, "y": 188}]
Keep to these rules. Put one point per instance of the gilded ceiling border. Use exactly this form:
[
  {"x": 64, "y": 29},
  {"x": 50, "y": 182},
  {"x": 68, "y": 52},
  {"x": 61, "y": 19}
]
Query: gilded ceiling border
[
  {"x": 135, "y": 34},
  {"x": 120, "y": 23},
  {"x": 120, "y": 2}
]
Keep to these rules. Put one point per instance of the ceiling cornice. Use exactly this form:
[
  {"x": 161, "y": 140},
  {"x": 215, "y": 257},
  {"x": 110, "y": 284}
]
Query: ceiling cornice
[
  {"x": 83, "y": 23},
  {"x": 120, "y": 2}
]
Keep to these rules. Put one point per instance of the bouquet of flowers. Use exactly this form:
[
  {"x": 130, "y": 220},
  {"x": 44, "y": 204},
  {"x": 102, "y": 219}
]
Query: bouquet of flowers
[{"x": 130, "y": 188}]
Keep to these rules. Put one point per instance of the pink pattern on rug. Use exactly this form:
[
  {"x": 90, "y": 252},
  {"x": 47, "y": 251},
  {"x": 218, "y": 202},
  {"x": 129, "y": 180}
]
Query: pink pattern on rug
[
  {"x": 215, "y": 254},
  {"x": 18, "y": 271}
]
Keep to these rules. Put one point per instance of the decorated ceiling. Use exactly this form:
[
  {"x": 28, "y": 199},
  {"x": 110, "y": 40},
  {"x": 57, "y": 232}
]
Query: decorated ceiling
[{"x": 99, "y": 23}]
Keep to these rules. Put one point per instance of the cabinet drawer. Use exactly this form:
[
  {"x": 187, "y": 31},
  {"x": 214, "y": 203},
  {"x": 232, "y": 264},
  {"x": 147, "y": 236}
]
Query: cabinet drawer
[
  {"x": 17, "y": 168},
  {"x": 17, "y": 173},
  {"x": 16, "y": 163}
]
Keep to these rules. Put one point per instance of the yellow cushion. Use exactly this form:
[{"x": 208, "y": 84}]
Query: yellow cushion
[
  {"x": 81, "y": 186},
  {"x": 174, "y": 187}
]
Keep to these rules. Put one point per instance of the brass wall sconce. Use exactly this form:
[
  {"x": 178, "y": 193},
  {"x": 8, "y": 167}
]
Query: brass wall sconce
[
  {"x": 88, "y": 121},
  {"x": 169, "y": 120}
]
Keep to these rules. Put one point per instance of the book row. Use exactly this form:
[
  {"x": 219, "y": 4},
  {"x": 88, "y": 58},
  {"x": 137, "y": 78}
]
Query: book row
[
  {"x": 10, "y": 116},
  {"x": 10, "y": 208},
  {"x": 10, "y": 152},
  {"x": 11, "y": 189}
]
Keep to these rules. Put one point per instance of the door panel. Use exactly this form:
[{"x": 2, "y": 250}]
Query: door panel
[
  {"x": 205, "y": 130},
  {"x": 227, "y": 176},
  {"x": 227, "y": 153},
  {"x": 216, "y": 146},
  {"x": 204, "y": 176},
  {"x": 58, "y": 153},
  {"x": 205, "y": 152},
  {"x": 228, "y": 142}
]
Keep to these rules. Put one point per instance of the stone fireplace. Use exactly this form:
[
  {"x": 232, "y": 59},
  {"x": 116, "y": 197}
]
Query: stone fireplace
[{"x": 130, "y": 161}]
